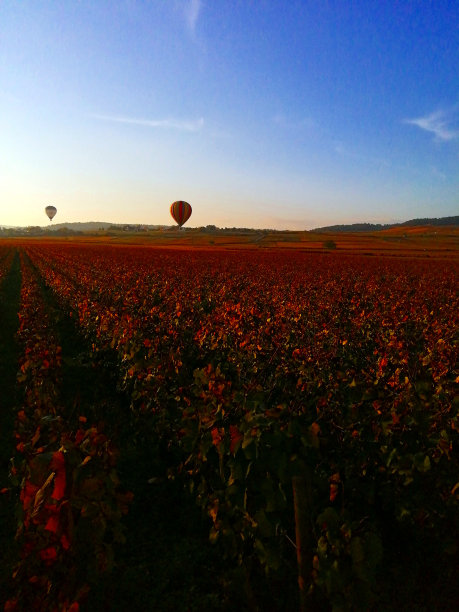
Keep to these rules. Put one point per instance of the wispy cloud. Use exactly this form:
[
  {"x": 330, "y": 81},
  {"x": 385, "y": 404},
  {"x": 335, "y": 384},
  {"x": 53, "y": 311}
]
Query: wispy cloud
[
  {"x": 168, "y": 124},
  {"x": 441, "y": 123},
  {"x": 192, "y": 10},
  {"x": 342, "y": 150}
]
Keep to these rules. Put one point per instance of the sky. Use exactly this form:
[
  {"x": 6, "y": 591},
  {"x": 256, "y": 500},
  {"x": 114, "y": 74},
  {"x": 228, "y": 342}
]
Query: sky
[{"x": 259, "y": 113}]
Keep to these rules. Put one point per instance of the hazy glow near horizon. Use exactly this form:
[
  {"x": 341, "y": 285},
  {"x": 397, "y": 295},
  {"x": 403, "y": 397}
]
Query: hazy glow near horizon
[{"x": 262, "y": 114}]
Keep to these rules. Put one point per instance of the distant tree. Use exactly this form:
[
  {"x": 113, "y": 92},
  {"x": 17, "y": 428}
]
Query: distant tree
[{"x": 329, "y": 244}]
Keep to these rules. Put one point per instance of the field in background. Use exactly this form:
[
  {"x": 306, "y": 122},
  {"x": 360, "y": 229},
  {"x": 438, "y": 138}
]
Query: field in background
[{"x": 416, "y": 241}]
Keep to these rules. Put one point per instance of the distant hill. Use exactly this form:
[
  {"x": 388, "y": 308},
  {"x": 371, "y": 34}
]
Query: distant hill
[
  {"x": 89, "y": 226},
  {"x": 94, "y": 226},
  {"x": 374, "y": 227}
]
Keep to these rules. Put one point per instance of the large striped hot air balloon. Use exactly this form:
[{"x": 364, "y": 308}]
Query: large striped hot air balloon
[
  {"x": 181, "y": 212},
  {"x": 51, "y": 212}
]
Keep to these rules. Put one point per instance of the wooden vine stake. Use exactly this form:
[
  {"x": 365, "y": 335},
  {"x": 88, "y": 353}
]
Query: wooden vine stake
[{"x": 302, "y": 501}]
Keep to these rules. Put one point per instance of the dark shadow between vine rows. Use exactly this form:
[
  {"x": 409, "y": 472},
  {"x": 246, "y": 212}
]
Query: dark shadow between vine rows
[{"x": 10, "y": 288}]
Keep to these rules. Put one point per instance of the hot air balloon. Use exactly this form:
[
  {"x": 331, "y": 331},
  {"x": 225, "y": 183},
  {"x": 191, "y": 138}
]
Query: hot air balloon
[
  {"x": 51, "y": 212},
  {"x": 181, "y": 212}
]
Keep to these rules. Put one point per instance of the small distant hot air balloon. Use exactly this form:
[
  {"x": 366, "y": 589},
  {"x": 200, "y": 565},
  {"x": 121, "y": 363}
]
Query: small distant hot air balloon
[
  {"x": 51, "y": 212},
  {"x": 181, "y": 212}
]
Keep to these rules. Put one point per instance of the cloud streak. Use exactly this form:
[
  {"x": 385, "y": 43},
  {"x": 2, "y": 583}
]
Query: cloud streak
[
  {"x": 438, "y": 123},
  {"x": 192, "y": 11},
  {"x": 166, "y": 124}
]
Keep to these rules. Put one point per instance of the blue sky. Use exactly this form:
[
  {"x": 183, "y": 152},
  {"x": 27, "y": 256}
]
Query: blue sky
[{"x": 260, "y": 113}]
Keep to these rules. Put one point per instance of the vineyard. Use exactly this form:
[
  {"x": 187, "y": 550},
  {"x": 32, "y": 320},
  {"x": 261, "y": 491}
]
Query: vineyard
[{"x": 189, "y": 429}]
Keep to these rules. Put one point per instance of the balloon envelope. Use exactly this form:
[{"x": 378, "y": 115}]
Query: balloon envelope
[
  {"x": 51, "y": 212},
  {"x": 181, "y": 212}
]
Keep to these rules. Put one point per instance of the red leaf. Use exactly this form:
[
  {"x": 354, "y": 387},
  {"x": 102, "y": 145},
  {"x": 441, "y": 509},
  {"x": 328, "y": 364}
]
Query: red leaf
[
  {"x": 79, "y": 436},
  {"x": 58, "y": 461},
  {"x": 65, "y": 542},
  {"x": 52, "y": 524},
  {"x": 334, "y": 486},
  {"x": 333, "y": 491},
  {"x": 58, "y": 465},
  {"x": 59, "y": 486},
  {"x": 28, "y": 494},
  {"x": 217, "y": 436},
  {"x": 48, "y": 554},
  {"x": 236, "y": 436}
]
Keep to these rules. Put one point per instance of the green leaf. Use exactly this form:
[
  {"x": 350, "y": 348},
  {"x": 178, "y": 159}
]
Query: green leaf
[
  {"x": 373, "y": 549},
  {"x": 357, "y": 550},
  {"x": 265, "y": 528},
  {"x": 329, "y": 518}
]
